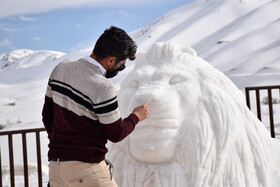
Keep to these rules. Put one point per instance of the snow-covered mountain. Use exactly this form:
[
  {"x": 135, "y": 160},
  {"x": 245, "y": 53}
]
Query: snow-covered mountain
[
  {"x": 239, "y": 37},
  {"x": 24, "y": 58}
]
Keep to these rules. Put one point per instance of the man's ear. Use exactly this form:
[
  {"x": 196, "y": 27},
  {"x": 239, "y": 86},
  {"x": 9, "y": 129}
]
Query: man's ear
[{"x": 110, "y": 60}]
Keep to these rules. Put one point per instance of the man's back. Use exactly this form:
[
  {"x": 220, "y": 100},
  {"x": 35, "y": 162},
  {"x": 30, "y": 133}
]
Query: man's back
[{"x": 74, "y": 87}]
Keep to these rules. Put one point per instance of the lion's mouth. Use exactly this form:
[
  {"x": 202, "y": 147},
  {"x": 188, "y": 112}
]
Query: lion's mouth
[
  {"x": 158, "y": 122},
  {"x": 155, "y": 128},
  {"x": 155, "y": 132}
]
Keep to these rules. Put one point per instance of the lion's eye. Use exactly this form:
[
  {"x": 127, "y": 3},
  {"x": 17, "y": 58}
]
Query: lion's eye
[
  {"x": 134, "y": 84},
  {"x": 176, "y": 79}
]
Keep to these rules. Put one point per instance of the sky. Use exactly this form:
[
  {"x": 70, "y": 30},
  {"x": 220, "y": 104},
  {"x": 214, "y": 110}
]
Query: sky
[{"x": 69, "y": 25}]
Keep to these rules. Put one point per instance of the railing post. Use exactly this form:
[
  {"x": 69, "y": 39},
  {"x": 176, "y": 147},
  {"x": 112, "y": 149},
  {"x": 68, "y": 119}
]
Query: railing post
[
  {"x": 39, "y": 162},
  {"x": 271, "y": 113},
  {"x": 0, "y": 168},
  {"x": 258, "y": 104},
  {"x": 25, "y": 163},
  {"x": 11, "y": 156},
  {"x": 247, "y": 97}
]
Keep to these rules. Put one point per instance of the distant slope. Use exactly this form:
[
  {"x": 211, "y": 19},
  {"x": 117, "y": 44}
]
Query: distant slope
[
  {"x": 26, "y": 65},
  {"x": 239, "y": 37}
]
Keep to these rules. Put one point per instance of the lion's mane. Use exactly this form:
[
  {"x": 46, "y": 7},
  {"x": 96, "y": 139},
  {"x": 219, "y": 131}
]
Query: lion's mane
[{"x": 219, "y": 141}]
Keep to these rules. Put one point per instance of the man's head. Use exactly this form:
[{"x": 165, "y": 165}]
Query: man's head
[
  {"x": 114, "y": 45},
  {"x": 117, "y": 43}
]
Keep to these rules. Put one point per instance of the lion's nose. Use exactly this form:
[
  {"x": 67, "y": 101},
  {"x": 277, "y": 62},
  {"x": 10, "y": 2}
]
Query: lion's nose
[{"x": 150, "y": 96}]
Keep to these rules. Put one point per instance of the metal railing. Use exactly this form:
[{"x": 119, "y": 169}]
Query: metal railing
[
  {"x": 258, "y": 103},
  {"x": 25, "y": 160}
]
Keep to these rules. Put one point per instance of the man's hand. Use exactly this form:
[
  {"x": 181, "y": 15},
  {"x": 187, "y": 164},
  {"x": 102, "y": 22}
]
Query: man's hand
[{"x": 141, "y": 111}]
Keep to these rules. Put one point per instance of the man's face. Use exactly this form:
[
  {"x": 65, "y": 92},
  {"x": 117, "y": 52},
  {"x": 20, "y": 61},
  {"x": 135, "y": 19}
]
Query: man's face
[
  {"x": 119, "y": 64},
  {"x": 114, "y": 70}
]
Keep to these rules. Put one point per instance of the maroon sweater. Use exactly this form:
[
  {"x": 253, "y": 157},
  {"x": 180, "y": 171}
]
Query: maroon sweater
[{"x": 81, "y": 113}]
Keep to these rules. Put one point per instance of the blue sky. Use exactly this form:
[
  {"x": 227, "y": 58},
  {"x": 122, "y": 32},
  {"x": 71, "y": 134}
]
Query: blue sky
[{"x": 68, "y": 25}]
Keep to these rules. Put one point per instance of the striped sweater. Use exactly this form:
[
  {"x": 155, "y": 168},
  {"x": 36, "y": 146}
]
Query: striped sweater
[{"x": 81, "y": 113}]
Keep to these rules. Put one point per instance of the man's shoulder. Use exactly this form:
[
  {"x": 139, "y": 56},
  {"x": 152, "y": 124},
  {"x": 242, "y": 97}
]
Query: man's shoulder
[
  {"x": 105, "y": 85},
  {"x": 105, "y": 90},
  {"x": 64, "y": 64},
  {"x": 78, "y": 66},
  {"x": 60, "y": 67}
]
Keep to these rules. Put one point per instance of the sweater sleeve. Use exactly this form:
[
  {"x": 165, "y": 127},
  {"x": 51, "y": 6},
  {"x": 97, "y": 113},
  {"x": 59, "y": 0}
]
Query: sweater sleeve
[
  {"x": 120, "y": 129},
  {"x": 107, "y": 110},
  {"x": 105, "y": 104},
  {"x": 47, "y": 112}
]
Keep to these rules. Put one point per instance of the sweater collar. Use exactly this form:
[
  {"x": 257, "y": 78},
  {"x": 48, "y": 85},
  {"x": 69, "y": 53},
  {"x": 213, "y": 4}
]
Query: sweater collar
[{"x": 94, "y": 62}]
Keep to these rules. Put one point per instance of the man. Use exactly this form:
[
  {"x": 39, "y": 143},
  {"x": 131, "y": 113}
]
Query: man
[{"x": 81, "y": 113}]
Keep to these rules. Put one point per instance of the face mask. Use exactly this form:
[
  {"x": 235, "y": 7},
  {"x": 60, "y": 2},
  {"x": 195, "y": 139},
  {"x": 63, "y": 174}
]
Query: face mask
[{"x": 111, "y": 74}]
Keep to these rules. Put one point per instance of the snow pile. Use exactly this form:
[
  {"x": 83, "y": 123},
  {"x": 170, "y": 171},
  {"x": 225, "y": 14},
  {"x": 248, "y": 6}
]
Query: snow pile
[{"x": 199, "y": 131}]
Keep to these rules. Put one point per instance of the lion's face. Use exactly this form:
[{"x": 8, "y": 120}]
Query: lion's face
[{"x": 163, "y": 88}]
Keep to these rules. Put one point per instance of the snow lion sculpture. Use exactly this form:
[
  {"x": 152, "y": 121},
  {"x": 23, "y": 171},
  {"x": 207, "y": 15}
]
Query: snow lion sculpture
[{"x": 199, "y": 131}]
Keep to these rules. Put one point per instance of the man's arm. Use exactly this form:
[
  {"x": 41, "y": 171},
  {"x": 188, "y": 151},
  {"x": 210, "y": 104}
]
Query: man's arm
[
  {"x": 120, "y": 129},
  {"x": 107, "y": 110},
  {"x": 47, "y": 113}
]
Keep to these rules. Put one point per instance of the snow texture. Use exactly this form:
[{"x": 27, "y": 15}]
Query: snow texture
[{"x": 199, "y": 131}]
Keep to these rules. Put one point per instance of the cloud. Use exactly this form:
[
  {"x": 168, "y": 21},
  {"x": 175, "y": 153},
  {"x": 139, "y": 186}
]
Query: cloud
[
  {"x": 16, "y": 7},
  {"x": 120, "y": 12},
  {"x": 79, "y": 26},
  {"x": 123, "y": 12},
  {"x": 7, "y": 28},
  {"x": 6, "y": 43},
  {"x": 36, "y": 38},
  {"x": 24, "y": 18}
]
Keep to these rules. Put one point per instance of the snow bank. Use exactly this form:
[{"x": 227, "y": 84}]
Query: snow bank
[{"x": 199, "y": 132}]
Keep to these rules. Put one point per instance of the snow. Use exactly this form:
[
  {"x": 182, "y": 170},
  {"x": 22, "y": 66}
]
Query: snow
[
  {"x": 199, "y": 132},
  {"x": 239, "y": 38},
  {"x": 23, "y": 83},
  {"x": 225, "y": 33}
]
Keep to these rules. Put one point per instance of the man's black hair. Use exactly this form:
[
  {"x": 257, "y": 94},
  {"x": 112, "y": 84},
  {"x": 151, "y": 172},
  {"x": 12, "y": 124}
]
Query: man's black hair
[{"x": 117, "y": 43}]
